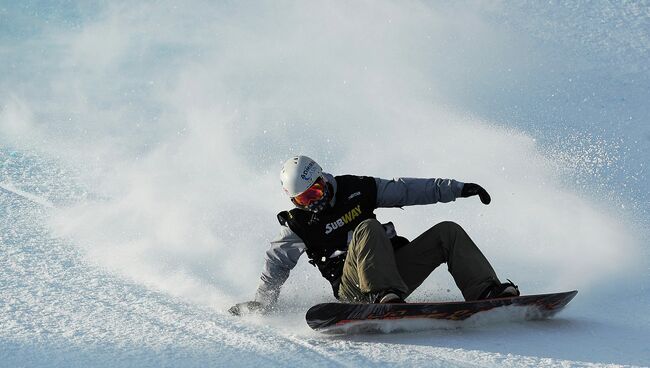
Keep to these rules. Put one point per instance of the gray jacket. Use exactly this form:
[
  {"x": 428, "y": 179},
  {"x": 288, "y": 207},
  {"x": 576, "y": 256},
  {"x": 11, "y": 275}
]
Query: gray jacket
[{"x": 287, "y": 248}]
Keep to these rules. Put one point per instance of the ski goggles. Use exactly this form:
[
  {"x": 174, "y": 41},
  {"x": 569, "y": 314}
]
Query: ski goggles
[{"x": 313, "y": 194}]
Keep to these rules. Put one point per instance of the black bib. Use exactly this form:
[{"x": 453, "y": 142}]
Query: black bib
[{"x": 326, "y": 234}]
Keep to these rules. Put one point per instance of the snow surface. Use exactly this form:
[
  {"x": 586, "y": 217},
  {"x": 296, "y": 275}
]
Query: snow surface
[{"x": 140, "y": 144}]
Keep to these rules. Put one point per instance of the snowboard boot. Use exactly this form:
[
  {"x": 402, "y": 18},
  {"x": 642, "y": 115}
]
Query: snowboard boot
[
  {"x": 388, "y": 296},
  {"x": 504, "y": 290}
]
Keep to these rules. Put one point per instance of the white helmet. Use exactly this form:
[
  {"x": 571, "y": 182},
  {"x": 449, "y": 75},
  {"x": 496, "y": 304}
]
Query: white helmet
[{"x": 298, "y": 174}]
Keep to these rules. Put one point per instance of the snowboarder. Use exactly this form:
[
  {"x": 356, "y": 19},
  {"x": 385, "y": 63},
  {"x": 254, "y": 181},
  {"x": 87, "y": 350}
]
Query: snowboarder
[{"x": 366, "y": 261}]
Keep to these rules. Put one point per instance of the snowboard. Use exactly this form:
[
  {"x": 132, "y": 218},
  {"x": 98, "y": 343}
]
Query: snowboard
[{"x": 344, "y": 317}]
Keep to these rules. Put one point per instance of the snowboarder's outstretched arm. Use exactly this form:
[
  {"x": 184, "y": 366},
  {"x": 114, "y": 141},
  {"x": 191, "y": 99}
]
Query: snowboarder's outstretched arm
[
  {"x": 400, "y": 192},
  {"x": 280, "y": 259}
]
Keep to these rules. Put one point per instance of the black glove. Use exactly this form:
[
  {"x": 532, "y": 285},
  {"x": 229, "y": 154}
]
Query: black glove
[
  {"x": 251, "y": 307},
  {"x": 471, "y": 189}
]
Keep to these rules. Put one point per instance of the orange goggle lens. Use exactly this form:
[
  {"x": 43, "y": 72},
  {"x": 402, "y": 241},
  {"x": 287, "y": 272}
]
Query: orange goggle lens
[{"x": 311, "y": 195}]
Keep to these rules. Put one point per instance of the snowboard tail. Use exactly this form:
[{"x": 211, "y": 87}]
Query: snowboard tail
[{"x": 325, "y": 316}]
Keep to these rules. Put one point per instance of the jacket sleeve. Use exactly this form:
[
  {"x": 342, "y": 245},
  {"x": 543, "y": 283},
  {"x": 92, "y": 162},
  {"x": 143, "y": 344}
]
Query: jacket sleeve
[
  {"x": 400, "y": 192},
  {"x": 280, "y": 259}
]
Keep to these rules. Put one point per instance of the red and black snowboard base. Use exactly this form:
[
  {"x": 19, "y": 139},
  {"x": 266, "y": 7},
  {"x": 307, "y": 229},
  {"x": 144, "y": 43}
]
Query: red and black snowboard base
[{"x": 338, "y": 317}]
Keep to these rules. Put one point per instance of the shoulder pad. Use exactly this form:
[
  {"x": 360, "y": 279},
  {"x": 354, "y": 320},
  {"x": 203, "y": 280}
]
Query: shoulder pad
[{"x": 283, "y": 218}]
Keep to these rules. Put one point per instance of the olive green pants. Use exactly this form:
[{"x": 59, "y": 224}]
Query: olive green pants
[{"x": 372, "y": 265}]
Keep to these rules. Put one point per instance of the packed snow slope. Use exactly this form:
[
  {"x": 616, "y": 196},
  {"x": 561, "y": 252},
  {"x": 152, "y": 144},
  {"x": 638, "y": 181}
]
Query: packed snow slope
[{"x": 140, "y": 144}]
